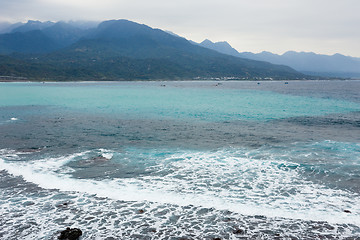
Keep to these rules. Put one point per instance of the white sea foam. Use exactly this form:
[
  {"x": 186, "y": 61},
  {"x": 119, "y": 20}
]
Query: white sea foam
[
  {"x": 108, "y": 154},
  {"x": 101, "y": 218},
  {"x": 225, "y": 180}
]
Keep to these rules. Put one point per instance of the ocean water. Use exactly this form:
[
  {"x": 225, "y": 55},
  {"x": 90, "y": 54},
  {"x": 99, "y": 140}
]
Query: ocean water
[{"x": 180, "y": 160}]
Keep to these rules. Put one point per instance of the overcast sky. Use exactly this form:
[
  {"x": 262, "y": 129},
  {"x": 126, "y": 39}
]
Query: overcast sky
[{"x": 321, "y": 26}]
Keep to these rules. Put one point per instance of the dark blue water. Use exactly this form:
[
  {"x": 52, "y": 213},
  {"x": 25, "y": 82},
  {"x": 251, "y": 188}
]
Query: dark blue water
[{"x": 180, "y": 160}]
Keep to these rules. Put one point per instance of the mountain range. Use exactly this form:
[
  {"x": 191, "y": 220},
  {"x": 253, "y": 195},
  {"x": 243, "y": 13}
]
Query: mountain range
[
  {"x": 122, "y": 50},
  {"x": 310, "y": 63}
]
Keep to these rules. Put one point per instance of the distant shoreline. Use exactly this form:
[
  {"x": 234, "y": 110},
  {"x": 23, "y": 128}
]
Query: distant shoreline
[{"x": 177, "y": 80}]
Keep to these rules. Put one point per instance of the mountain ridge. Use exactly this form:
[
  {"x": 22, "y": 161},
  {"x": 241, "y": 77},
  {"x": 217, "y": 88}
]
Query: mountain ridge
[
  {"x": 336, "y": 65},
  {"x": 121, "y": 49}
]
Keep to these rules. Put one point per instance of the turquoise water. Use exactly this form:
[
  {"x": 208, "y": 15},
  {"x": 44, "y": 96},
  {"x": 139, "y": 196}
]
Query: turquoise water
[
  {"x": 172, "y": 160},
  {"x": 155, "y": 101}
]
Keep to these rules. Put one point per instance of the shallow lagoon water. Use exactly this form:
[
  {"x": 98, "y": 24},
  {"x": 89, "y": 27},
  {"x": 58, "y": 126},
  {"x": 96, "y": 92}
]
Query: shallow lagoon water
[{"x": 172, "y": 160}]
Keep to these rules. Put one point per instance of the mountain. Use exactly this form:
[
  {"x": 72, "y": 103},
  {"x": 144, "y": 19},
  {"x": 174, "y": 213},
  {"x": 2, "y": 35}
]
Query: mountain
[
  {"x": 26, "y": 42},
  {"x": 310, "y": 63},
  {"x": 222, "y": 47},
  {"x": 84, "y": 24},
  {"x": 37, "y": 37},
  {"x": 64, "y": 34},
  {"x": 121, "y": 49},
  {"x": 32, "y": 25},
  {"x": 6, "y": 27}
]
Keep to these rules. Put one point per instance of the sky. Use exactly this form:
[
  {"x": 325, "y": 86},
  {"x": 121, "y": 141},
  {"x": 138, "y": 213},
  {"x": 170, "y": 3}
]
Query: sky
[{"x": 320, "y": 26}]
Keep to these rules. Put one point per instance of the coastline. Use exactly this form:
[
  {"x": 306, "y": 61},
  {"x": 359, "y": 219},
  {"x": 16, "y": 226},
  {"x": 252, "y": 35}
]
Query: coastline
[
  {"x": 192, "y": 160},
  {"x": 178, "y": 80}
]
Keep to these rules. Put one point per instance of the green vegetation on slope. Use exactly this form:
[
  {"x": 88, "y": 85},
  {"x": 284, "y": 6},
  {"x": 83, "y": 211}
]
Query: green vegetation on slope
[{"x": 124, "y": 50}]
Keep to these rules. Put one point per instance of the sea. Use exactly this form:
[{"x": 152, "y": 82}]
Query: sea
[{"x": 180, "y": 159}]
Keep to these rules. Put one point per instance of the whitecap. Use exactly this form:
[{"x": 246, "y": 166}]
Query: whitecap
[
  {"x": 108, "y": 154},
  {"x": 223, "y": 180}
]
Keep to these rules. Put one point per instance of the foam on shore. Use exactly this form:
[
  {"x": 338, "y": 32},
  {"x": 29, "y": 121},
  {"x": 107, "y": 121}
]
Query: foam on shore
[{"x": 206, "y": 179}]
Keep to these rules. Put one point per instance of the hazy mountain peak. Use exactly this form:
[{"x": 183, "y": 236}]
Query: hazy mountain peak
[
  {"x": 122, "y": 23},
  {"x": 336, "y": 65},
  {"x": 290, "y": 52},
  {"x": 33, "y": 22},
  {"x": 122, "y": 28},
  {"x": 64, "y": 33},
  {"x": 206, "y": 41},
  {"x": 338, "y": 55},
  {"x": 223, "y": 43},
  {"x": 84, "y": 24},
  {"x": 267, "y": 53},
  {"x": 6, "y": 27},
  {"x": 60, "y": 25},
  {"x": 33, "y": 25},
  {"x": 222, "y": 47}
]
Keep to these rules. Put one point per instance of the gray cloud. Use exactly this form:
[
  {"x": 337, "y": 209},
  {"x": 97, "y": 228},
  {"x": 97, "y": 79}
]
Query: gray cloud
[{"x": 323, "y": 26}]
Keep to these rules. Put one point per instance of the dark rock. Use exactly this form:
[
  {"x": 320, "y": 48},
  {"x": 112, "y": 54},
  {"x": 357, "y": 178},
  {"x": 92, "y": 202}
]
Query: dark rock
[
  {"x": 99, "y": 159},
  {"x": 29, "y": 150},
  {"x": 329, "y": 227},
  {"x": 63, "y": 205},
  {"x": 140, "y": 211},
  {"x": 227, "y": 219},
  {"x": 70, "y": 234},
  {"x": 347, "y": 211},
  {"x": 216, "y": 238},
  {"x": 238, "y": 231},
  {"x": 28, "y": 203}
]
